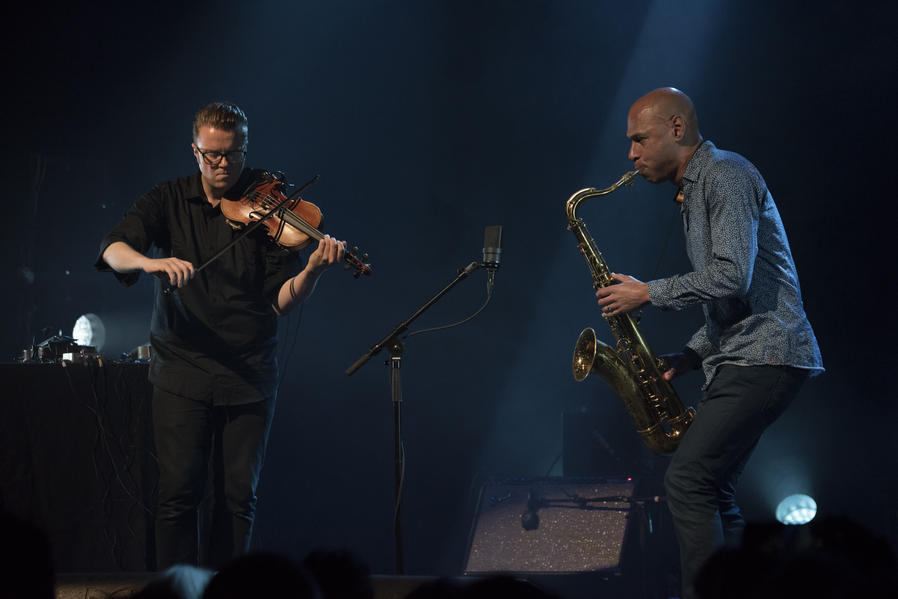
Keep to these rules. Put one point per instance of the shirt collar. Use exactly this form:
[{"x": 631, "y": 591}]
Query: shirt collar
[
  {"x": 697, "y": 163},
  {"x": 195, "y": 189},
  {"x": 196, "y": 192}
]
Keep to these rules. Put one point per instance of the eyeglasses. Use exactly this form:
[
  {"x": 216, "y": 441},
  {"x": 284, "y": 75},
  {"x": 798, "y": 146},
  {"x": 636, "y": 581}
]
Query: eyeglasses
[{"x": 213, "y": 158}]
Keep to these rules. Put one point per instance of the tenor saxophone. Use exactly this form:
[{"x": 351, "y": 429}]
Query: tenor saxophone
[{"x": 631, "y": 369}]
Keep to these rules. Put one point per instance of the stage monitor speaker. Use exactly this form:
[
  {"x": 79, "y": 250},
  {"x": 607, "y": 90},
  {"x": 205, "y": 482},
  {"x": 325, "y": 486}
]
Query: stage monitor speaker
[{"x": 551, "y": 525}]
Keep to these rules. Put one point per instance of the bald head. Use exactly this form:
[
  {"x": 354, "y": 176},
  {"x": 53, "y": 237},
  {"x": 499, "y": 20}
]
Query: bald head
[
  {"x": 666, "y": 104},
  {"x": 663, "y": 129}
]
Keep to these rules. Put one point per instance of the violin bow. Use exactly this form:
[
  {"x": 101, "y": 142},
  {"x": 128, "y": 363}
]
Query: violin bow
[{"x": 249, "y": 229}]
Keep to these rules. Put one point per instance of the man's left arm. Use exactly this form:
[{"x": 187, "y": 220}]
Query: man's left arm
[{"x": 297, "y": 289}]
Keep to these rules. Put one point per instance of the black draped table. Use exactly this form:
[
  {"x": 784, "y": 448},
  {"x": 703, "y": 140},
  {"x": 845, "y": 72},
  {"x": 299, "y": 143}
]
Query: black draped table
[{"x": 77, "y": 461}]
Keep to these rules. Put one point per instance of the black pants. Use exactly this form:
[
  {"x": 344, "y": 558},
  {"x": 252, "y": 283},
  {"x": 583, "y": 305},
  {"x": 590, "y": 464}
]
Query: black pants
[
  {"x": 740, "y": 403},
  {"x": 187, "y": 432}
]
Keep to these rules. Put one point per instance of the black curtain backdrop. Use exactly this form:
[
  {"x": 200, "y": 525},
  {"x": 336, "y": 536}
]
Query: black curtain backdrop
[{"x": 428, "y": 121}]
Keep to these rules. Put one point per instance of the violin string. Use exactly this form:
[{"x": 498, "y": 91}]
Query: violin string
[
  {"x": 299, "y": 223},
  {"x": 292, "y": 219},
  {"x": 289, "y": 217}
]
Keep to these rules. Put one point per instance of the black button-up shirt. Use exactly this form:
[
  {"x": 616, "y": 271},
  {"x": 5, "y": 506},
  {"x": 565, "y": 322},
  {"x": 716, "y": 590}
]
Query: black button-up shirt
[{"x": 214, "y": 339}]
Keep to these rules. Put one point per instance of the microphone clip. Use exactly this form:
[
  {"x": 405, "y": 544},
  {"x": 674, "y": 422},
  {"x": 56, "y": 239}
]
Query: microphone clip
[{"x": 530, "y": 517}]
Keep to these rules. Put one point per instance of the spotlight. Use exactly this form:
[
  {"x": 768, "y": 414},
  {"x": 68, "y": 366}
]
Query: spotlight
[
  {"x": 796, "y": 509},
  {"x": 89, "y": 330}
]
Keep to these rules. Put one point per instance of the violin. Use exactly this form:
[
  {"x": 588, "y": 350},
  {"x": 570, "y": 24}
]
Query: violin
[{"x": 295, "y": 223}]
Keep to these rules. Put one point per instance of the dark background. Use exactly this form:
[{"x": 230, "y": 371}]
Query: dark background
[{"x": 428, "y": 121}]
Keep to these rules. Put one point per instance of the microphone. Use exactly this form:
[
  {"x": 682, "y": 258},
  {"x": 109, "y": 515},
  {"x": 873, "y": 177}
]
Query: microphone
[
  {"x": 492, "y": 252},
  {"x": 530, "y": 517}
]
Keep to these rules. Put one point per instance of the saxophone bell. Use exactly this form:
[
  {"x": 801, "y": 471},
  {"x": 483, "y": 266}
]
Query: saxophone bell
[{"x": 584, "y": 354}]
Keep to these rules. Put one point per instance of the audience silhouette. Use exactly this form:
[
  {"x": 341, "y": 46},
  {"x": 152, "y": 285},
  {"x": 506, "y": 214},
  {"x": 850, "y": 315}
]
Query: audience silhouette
[
  {"x": 262, "y": 575},
  {"x": 26, "y": 560},
  {"x": 829, "y": 558},
  {"x": 340, "y": 574},
  {"x": 489, "y": 587},
  {"x": 177, "y": 582}
]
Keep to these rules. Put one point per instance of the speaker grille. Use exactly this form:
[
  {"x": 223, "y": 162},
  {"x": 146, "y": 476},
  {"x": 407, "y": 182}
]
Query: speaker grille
[{"x": 581, "y": 527}]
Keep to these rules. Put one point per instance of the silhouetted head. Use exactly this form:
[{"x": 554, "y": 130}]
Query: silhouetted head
[
  {"x": 262, "y": 575},
  {"x": 177, "y": 582},
  {"x": 26, "y": 562},
  {"x": 340, "y": 574}
]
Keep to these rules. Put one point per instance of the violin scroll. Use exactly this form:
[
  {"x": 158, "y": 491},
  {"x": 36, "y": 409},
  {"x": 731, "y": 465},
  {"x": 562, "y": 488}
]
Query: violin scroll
[{"x": 358, "y": 263}]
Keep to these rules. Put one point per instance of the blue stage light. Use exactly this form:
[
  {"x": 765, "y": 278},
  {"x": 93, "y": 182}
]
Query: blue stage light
[{"x": 796, "y": 509}]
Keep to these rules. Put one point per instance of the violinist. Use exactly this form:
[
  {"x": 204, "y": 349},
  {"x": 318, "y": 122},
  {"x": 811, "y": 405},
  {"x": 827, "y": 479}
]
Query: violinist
[{"x": 214, "y": 369}]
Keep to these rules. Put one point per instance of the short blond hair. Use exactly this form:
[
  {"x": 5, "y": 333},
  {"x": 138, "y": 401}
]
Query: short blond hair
[{"x": 221, "y": 115}]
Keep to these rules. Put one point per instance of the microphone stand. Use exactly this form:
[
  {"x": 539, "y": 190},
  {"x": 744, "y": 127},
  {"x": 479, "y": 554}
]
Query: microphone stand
[{"x": 396, "y": 348}]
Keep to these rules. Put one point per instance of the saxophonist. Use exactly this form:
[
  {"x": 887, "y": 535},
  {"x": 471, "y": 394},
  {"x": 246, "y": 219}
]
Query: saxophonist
[{"x": 756, "y": 347}]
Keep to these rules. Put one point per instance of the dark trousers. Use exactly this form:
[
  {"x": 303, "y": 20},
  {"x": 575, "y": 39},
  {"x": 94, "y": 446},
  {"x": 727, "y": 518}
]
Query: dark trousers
[
  {"x": 740, "y": 403},
  {"x": 187, "y": 433}
]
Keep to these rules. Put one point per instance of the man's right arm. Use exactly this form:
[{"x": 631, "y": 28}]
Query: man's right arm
[
  {"x": 680, "y": 363},
  {"x": 691, "y": 358},
  {"x": 122, "y": 258}
]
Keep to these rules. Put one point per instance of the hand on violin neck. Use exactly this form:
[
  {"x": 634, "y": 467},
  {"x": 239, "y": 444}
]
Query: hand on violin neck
[{"x": 329, "y": 252}]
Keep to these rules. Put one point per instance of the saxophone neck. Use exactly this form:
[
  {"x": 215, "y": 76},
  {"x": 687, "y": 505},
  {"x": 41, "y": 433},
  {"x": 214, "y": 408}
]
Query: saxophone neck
[
  {"x": 590, "y": 192},
  {"x": 626, "y": 178}
]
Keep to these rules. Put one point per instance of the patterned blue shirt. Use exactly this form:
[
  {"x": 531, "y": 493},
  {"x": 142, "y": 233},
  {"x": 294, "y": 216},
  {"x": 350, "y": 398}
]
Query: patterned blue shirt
[{"x": 744, "y": 276}]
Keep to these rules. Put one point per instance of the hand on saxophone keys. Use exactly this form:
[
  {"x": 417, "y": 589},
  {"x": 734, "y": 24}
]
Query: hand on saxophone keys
[
  {"x": 673, "y": 365},
  {"x": 626, "y": 295}
]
